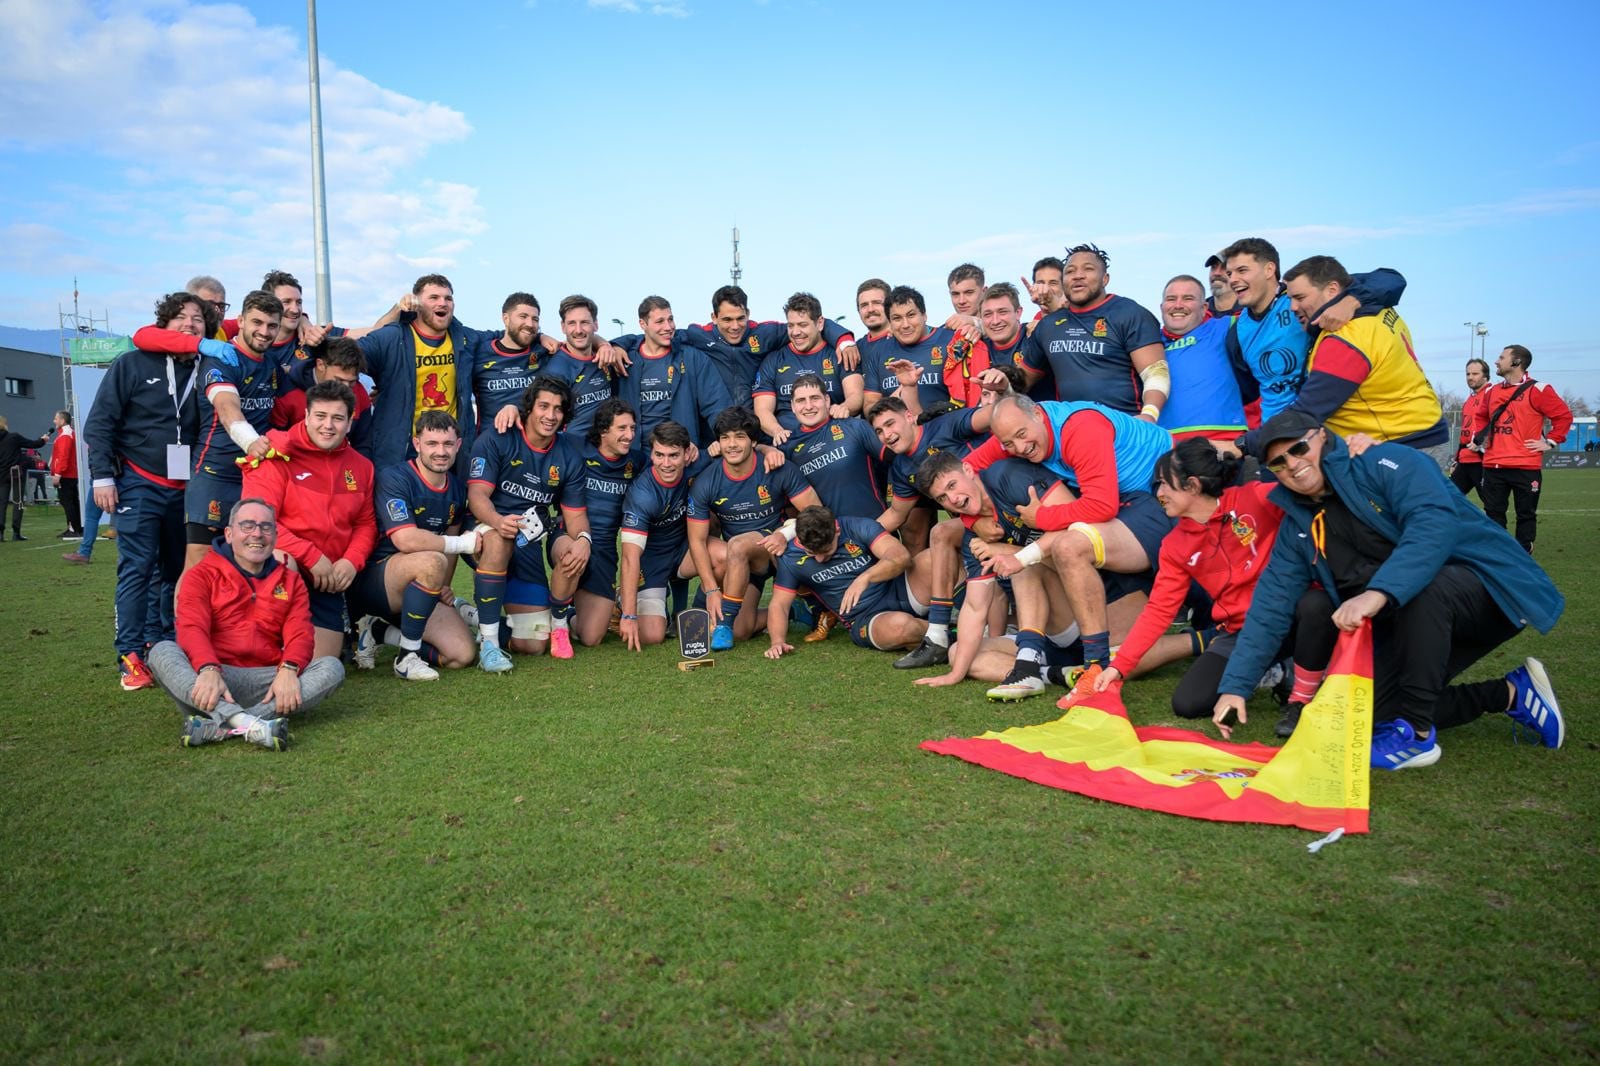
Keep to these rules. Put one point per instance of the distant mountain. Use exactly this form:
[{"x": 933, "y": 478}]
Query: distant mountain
[{"x": 46, "y": 341}]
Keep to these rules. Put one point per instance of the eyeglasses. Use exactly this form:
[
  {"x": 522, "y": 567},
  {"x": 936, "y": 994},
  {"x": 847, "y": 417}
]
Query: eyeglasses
[
  {"x": 221, "y": 305},
  {"x": 250, "y": 525},
  {"x": 1298, "y": 449}
]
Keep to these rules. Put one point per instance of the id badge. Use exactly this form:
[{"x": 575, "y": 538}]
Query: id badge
[{"x": 178, "y": 462}]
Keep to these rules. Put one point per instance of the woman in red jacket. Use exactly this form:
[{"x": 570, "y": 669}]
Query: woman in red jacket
[{"x": 1222, "y": 541}]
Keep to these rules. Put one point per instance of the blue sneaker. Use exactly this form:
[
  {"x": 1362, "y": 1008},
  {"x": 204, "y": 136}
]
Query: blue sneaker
[
  {"x": 722, "y": 637},
  {"x": 493, "y": 659},
  {"x": 1533, "y": 703},
  {"x": 1395, "y": 746}
]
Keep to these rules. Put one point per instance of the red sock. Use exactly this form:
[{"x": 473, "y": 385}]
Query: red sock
[{"x": 1306, "y": 683}]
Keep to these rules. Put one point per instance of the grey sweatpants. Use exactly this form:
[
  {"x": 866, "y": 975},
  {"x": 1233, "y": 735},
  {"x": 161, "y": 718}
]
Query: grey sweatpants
[{"x": 249, "y": 684}]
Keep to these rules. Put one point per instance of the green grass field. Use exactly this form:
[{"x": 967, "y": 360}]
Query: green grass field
[{"x": 611, "y": 859}]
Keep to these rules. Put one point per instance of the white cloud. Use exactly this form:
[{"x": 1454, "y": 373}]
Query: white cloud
[{"x": 192, "y": 118}]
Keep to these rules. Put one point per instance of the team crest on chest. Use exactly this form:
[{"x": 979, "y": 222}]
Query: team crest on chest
[
  {"x": 279, "y": 592},
  {"x": 755, "y": 345},
  {"x": 838, "y": 432},
  {"x": 554, "y": 477},
  {"x": 1099, "y": 327},
  {"x": 827, "y": 365},
  {"x": 937, "y": 358},
  {"x": 350, "y": 480},
  {"x": 763, "y": 495}
]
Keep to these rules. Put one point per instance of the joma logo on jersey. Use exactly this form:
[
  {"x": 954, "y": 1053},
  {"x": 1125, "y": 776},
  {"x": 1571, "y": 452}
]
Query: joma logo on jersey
[
  {"x": 444, "y": 359},
  {"x": 350, "y": 481},
  {"x": 1099, "y": 327}
]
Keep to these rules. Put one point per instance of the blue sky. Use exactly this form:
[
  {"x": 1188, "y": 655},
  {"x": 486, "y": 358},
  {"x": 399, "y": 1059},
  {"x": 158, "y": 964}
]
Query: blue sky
[{"x": 561, "y": 146}]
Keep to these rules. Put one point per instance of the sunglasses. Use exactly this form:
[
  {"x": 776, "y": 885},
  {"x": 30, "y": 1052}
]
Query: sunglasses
[{"x": 1298, "y": 449}]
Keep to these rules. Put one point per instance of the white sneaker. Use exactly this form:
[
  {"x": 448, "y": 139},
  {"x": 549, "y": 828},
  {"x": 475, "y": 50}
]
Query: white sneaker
[
  {"x": 1019, "y": 688},
  {"x": 270, "y": 733},
  {"x": 365, "y": 655},
  {"x": 410, "y": 667},
  {"x": 469, "y": 614}
]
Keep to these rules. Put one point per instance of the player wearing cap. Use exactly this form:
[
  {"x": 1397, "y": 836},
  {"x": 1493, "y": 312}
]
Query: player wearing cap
[
  {"x": 1390, "y": 541},
  {"x": 1222, "y": 302}
]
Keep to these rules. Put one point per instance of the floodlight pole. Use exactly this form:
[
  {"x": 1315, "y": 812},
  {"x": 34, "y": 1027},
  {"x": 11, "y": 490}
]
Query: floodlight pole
[{"x": 319, "y": 192}]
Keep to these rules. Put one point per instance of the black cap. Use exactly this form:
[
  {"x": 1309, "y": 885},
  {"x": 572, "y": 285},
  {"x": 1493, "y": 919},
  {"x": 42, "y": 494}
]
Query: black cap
[
  {"x": 1214, "y": 260},
  {"x": 1285, "y": 425}
]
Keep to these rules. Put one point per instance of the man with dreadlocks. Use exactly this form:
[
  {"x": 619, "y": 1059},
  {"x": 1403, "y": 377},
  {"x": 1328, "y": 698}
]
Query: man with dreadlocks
[{"x": 1099, "y": 347}]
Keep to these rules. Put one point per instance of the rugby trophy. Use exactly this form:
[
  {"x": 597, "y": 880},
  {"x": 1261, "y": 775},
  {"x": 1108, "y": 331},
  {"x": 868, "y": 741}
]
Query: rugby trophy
[{"x": 694, "y": 638}]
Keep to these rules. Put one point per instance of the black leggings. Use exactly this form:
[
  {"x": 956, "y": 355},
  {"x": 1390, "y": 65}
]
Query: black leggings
[{"x": 1311, "y": 641}]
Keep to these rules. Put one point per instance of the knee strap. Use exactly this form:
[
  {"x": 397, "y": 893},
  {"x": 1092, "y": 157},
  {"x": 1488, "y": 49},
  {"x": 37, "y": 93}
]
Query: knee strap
[
  {"x": 529, "y": 625},
  {"x": 1096, "y": 541}
]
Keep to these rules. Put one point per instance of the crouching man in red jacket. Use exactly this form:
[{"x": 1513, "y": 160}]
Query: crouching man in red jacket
[
  {"x": 321, "y": 488},
  {"x": 243, "y": 658}
]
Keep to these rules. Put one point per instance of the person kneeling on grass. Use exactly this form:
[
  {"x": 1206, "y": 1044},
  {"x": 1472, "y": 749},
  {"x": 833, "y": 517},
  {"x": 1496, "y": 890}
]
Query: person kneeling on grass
[
  {"x": 1222, "y": 542},
  {"x": 858, "y": 571},
  {"x": 243, "y": 658},
  {"x": 1391, "y": 540}
]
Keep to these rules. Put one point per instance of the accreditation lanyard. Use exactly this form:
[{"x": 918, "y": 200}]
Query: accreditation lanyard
[
  {"x": 179, "y": 401},
  {"x": 178, "y": 465}
]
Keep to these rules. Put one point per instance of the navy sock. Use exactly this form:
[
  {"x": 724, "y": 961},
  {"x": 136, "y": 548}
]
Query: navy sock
[
  {"x": 1096, "y": 648},
  {"x": 416, "y": 604},
  {"x": 489, "y": 589}
]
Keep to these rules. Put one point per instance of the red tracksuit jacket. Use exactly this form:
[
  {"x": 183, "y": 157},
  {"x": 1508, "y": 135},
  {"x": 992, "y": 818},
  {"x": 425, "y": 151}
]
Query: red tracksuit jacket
[
  {"x": 1226, "y": 556},
  {"x": 227, "y": 616},
  {"x": 1523, "y": 421},
  {"x": 64, "y": 454},
  {"x": 323, "y": 499}
]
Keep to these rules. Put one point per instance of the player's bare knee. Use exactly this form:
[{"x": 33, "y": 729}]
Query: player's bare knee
[{"x": 433, "y": 568}]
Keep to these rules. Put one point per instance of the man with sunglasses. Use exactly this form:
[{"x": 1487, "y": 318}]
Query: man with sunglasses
[
  {"x": 1389, "y": 539},
  {"x": 243, "y": 658}
]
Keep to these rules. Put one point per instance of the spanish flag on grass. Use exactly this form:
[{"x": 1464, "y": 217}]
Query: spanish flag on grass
[{"x": 1318, "y": 780}]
